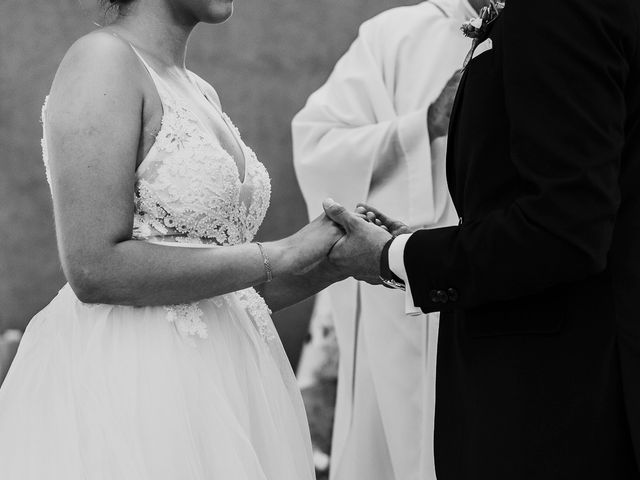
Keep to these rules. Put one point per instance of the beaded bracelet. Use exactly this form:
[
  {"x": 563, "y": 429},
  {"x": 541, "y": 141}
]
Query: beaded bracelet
[{"x": 265, "y": 260}]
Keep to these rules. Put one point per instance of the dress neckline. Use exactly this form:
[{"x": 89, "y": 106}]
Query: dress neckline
[{"x": 161, "y": 84}]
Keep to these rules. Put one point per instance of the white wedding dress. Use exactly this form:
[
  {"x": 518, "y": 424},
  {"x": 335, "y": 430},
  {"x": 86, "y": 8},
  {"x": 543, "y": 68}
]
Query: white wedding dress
[{"x": 201, "y": 391}]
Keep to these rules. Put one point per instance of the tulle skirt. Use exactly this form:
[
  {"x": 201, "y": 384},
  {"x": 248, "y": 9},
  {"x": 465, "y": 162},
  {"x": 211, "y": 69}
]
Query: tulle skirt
[{"x": 191, "y": 392}]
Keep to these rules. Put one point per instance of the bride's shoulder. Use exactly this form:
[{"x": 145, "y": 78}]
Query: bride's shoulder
[
  {"x": 98, "y": 48},
  {"x": 97, "y": 61}
]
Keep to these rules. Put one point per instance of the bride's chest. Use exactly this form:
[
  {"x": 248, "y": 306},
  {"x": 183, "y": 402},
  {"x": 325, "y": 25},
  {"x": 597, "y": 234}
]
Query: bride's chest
[{"x": 191, "y": 182}]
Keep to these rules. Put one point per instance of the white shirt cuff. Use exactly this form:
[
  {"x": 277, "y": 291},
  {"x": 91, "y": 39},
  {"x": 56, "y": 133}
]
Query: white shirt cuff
[{"x": 396, "y": 264}]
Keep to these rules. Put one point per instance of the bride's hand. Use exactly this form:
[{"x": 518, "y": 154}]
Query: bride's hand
[
  {"x": 309, "y": 245},
  {"x": 373, "y": 215}
]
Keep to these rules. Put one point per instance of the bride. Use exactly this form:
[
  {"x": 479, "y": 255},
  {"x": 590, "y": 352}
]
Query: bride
[{"x": 158, "y": 360}]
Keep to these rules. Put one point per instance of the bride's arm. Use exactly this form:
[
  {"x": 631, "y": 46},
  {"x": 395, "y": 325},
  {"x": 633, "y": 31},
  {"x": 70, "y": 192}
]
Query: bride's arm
[
  {"x": 291, "y": 288},
  {"x": 94, "y": 124}
]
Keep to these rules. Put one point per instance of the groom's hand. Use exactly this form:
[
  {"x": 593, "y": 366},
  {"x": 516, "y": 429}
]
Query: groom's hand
[{"x": 357, "y": 254}]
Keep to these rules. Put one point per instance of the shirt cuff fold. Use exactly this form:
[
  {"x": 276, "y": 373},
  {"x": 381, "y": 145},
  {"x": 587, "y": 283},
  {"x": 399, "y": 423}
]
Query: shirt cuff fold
[{"x": 396, "y": 265}]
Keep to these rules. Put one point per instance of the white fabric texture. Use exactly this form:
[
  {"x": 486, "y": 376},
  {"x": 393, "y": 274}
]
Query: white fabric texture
[
  {"x": 197, "y": 392},
  {"x": 363, "y": 137}
]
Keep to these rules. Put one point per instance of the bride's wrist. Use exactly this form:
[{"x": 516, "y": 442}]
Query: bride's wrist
[{"x": 277, "y": 257}]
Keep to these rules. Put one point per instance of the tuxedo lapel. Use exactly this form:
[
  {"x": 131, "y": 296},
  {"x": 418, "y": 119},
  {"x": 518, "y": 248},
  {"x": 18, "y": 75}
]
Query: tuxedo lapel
[
  {"x": 451, "y": 144},
  {"x": 455, "y": 161}
]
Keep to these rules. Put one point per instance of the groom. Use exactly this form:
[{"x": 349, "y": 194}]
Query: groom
[{"x": 539, "y": 349}]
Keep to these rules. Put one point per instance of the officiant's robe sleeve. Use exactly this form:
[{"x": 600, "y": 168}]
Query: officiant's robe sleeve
[
  {"x": 539, "y": 207},
  {"x": 363, "y": 135}
]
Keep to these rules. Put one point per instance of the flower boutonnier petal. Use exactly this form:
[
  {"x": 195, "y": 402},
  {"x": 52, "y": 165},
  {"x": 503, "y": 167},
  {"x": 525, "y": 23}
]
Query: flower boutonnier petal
[{"x": 478, "y": 28}]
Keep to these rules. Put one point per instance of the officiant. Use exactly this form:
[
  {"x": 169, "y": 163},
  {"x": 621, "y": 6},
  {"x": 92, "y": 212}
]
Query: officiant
[{"x": 376, "y": 132}]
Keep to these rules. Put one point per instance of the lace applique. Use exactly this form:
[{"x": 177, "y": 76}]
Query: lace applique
[
  {"x": 261, "y": 198},
  {"x": 258, "y": 310},
  {"x": 195, "y": 192},
  {"x": 188, "y": 319},
  {"x": 149, "y": 214},
  {"x": 142, "y": 226},
  {"x": 219, "y": 301},
  {"x": 178, "y": 128},
  {"x": 230, "y": 123}
]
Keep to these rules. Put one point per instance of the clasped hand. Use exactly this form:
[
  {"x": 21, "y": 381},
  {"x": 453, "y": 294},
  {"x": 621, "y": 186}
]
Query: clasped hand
[
  {"x": 366, "y": 232},
  {"x": 350, "y": 243}
]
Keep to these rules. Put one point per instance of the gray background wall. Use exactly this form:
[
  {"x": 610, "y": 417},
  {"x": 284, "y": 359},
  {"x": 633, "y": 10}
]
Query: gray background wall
[{"x": 264, "y": 63}]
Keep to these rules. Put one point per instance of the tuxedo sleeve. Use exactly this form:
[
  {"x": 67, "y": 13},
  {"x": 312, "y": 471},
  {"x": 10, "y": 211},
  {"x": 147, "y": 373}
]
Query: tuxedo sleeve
[{"x": 564, "y": 68}]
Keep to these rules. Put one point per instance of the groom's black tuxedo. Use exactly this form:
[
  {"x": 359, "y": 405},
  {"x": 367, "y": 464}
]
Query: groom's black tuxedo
[{"x": 539, "y": 349}]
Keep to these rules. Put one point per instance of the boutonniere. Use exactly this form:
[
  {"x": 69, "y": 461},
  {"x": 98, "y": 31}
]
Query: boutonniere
[{"x": 479, "y": 27}]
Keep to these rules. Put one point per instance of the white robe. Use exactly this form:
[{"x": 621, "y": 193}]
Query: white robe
[{"x": 363, "y": 137}]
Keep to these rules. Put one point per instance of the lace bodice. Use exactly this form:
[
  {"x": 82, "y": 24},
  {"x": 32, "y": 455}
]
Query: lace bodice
[{"x": 188, "y": 188}]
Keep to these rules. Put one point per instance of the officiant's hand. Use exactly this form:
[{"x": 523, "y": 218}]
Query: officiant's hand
[
  {"x": 373, "y": 215},
  {"x": 357, "y": 254},
  {"x": 439, "y": 112}
]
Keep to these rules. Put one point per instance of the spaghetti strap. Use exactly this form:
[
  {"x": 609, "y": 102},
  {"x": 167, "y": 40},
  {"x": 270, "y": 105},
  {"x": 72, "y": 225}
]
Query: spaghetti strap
[
  {"x": 146, "y": 65},
  {"x": 162, "y": 90},
  {"x": 155, "y": 78}
]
